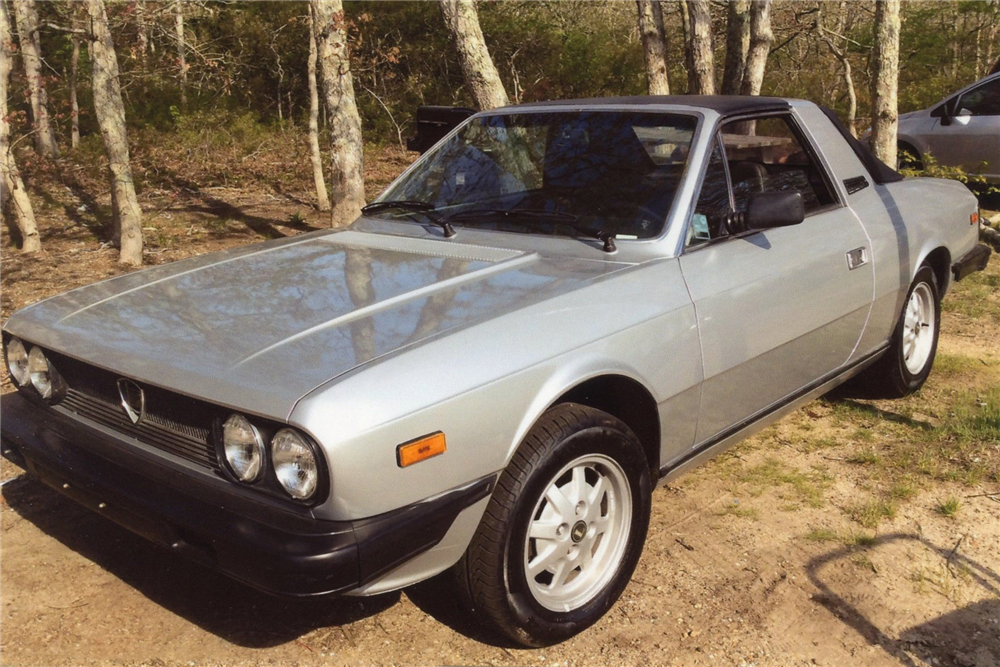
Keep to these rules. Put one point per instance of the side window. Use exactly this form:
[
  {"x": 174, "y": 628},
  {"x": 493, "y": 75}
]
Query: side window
[
  {"x": 708, "y": 220},
  {"x": 767, "y": 155},
  {"x": 981, "y": 101}
]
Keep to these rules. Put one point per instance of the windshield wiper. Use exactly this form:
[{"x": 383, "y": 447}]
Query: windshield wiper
[
  {"x": 413, "y": 206},
  {"x": 557, "y": 217}
]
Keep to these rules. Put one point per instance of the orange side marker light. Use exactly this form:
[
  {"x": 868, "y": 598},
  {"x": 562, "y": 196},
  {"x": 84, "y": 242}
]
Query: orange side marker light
[{"x": 420, "y": 449}]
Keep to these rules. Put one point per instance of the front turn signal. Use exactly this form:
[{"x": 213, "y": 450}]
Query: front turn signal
[
  {"x": 420, "y": 449},
  {"x": 974, "y": 218}
]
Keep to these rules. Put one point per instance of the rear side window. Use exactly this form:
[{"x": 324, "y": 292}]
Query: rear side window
[
  {"x": 767, "y": 155},
  {"x": 981, "y": 101}
]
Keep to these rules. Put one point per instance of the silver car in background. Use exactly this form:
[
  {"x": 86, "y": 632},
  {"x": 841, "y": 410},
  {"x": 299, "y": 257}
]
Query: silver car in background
[
  {"x": 557, "y": 308},
  {"x": 960, "y": 131}
]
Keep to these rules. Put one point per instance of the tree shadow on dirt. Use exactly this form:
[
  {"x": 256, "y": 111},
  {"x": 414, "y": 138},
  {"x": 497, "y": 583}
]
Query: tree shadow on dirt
[
  {"x": 877, "y": 412},
  {"x": 206, "y": 203},
  {"x": 963, "y": 637},
  {"x": 212, "y": 601}
]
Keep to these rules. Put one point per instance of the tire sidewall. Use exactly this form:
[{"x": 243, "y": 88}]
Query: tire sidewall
[
  {"x": 544, "y": 625},
  {"x": 908, "y": 381}
]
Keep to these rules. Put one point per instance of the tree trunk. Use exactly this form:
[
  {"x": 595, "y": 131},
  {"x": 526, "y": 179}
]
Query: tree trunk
[
  {"x": 142, "y": 29},
  {"x": 760, "y": 46},
  {"x": 885, "y": 81},
  {"x": 702, "y": 58},
  {"x": 477, "y": 65},
  {"x": 654, "y": 46},
  {"x": 12, "y": 192},
  {"x": 840, "y": 28},
  {"x": 181, "y": 55},
  {"x": 346, "y": 148},
  {"x": 322, "y": 200},
  {"x": 26, "y": 14},
  {"x": 74, "y": 106},
  {"x": 110, "y": 112},
  {"x": 688, "y": 59},
  {"x": 737, "y": 46}
]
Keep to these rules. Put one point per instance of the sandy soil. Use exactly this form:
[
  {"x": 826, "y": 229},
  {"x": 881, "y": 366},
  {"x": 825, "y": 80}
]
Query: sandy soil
[{"x": 742, "y": 567}]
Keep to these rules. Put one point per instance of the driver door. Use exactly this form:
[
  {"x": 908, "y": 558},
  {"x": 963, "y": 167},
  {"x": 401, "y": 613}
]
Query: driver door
[{"x": 781, "y": 308}]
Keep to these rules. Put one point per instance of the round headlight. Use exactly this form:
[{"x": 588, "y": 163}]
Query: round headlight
[
  {"x": 38, "y": 369},
  {"x": 17, "y": 362},
  {"x": 294, "y": 464},
  {"x": 244, "y": 448}
]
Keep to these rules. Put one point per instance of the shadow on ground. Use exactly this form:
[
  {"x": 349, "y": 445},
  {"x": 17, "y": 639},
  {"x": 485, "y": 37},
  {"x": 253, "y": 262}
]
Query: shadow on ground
[
  {"x": 213, "y": 602},
  {"x": 961, "y": 638}
]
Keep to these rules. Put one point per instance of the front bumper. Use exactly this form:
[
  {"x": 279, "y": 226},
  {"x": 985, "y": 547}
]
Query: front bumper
[
  {"x": 209, "y": 520},
  {"x": 972, "y": 261}
]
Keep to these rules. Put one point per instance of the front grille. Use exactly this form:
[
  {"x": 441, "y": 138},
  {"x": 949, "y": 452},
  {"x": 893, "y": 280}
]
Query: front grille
[
  {"x": 172, "y": 423},
  {"x": 187, "y": 442}
]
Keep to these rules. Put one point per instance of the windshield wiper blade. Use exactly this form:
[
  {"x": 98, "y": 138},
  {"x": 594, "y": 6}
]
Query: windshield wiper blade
[
  {"x": 405, "y": 204},
  {"x": 413, "y": 206},
  {"x": 558, "y": 217}
]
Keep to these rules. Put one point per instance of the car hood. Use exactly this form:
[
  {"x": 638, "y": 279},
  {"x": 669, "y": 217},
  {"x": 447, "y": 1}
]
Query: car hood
[{"x": 258, "y": 328}]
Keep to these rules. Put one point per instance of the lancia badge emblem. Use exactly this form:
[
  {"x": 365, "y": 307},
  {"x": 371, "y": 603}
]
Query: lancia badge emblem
[{"x": 133, "y": 400}]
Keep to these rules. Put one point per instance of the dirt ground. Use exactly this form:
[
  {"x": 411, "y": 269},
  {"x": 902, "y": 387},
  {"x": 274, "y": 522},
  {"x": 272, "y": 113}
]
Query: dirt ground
[{"x": 852, "y": 532}]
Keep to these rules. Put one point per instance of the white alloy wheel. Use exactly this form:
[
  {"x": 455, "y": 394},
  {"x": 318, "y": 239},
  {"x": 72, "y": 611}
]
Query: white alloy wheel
[
  {"x": 918, "y": 328},
  {"x": 578, "y": 533}
]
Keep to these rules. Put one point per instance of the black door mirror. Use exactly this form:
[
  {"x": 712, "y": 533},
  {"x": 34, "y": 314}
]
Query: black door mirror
[{"x": 775, "y": 209}]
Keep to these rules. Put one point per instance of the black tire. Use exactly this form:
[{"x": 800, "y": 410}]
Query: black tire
[
  {"x": 491, "y": 575},
  {"x": 889, "y": 377}
]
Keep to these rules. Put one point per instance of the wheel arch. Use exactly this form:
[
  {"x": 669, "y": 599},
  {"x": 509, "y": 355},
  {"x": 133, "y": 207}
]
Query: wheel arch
[
  {"x": 939, "y": 259},
  {"x": 623, "y": 397}
]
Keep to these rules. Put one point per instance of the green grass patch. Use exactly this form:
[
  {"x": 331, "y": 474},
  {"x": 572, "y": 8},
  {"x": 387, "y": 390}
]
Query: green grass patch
[
  {"x": 949, "y": 507},
  {"x": 821, "y": 535},
  {"x": 739, "y": 510},
  {"x": 872, "y": 512},
  {"x": 810, "y": 486},
  {"x": 866, "y": 456}
]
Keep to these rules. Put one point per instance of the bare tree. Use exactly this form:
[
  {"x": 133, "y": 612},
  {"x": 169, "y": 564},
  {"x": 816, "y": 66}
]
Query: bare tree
[
  {"x": 737, "y": 46},
  {"x": 142, "y": 29},
  {"x": 760, "y": 46},
  {"x": 181, "y": 55},
  {"x": 836, "y": 42},
  {"x": 26, "y": 14},
  {"x": 477, "y": 65},
  {"x": 885, "y": 81},
  {"x": 688, "y": 59},
  {"x": 74, "y": 106},
  {"x": 110, "y": 112},
  {"x": 654, "y": 46},
  {"x": 346, "y": 148},
  {"x": 700, "y": 39},
  {"x": 322, "y": 200},
  {"x": 12, "y": 193}
]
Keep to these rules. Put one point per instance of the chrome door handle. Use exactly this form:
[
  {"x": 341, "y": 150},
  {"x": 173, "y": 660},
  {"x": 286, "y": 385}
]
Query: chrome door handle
[{"x": 857, "y": 257}]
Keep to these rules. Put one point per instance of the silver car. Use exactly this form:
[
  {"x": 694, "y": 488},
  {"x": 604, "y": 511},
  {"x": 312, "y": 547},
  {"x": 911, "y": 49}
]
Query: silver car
[
  {"x": 960, "y": 131},
  {"x": 555, "y": 309}
]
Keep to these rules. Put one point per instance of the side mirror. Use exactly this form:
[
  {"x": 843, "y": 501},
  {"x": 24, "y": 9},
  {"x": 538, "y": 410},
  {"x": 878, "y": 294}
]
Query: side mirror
[
  {"x": 946, "y": 120},
  {"x": 775, "y": 209}
]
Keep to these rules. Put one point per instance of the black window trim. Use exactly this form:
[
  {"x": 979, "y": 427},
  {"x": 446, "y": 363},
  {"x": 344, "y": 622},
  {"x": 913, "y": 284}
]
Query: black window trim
[
  {"x": 956, "y": 107},
  {"x": 805, "y": 140}
]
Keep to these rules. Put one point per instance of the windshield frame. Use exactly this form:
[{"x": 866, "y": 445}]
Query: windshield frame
[{"x": 692, "y": 167}]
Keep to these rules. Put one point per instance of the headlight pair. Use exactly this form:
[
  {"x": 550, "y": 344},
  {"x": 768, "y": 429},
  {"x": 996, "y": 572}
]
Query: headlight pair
[
  {"x": 33, "y": 368},
  {"x": 292, "y": 458}
]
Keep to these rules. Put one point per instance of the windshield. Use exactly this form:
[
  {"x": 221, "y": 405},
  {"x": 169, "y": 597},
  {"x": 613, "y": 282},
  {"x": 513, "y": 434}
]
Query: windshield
[{"x": 613, "y": 172}]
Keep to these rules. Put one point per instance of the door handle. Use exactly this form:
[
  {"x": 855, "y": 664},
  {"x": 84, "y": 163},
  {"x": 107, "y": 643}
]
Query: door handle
[{"x": 857, "y": 257}]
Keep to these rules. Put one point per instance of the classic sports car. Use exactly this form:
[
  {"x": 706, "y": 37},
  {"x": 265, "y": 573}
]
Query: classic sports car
[{"x": 556, "y": 308}]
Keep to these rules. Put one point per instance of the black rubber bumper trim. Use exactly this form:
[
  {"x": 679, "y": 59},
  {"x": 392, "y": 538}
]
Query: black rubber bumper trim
[
  {"x": 213, "y": 522},
  {"x": 972, "y": 261}
]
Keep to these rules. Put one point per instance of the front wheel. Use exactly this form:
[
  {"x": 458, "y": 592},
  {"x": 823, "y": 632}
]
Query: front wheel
[{"x": 564, "y": 529}]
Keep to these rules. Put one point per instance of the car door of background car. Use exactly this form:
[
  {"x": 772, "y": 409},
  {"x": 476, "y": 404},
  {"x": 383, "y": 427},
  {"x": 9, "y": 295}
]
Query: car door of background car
[
  {"x": 973, "y": 135},
  {"x": 781, "y": 308}
]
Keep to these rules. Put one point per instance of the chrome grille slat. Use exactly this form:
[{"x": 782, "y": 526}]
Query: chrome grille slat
[{"x": 188, "y": 442}]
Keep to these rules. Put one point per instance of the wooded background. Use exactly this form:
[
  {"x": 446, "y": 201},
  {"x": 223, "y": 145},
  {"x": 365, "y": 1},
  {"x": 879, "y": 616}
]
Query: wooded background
[{"x": 101, "y": 86}]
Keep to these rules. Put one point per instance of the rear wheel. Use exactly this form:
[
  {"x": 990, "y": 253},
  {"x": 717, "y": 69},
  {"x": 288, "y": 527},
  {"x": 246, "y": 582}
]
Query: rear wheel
[
  {"x": 564, "y": 529},
  {"x": 904, "y": 367}
]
